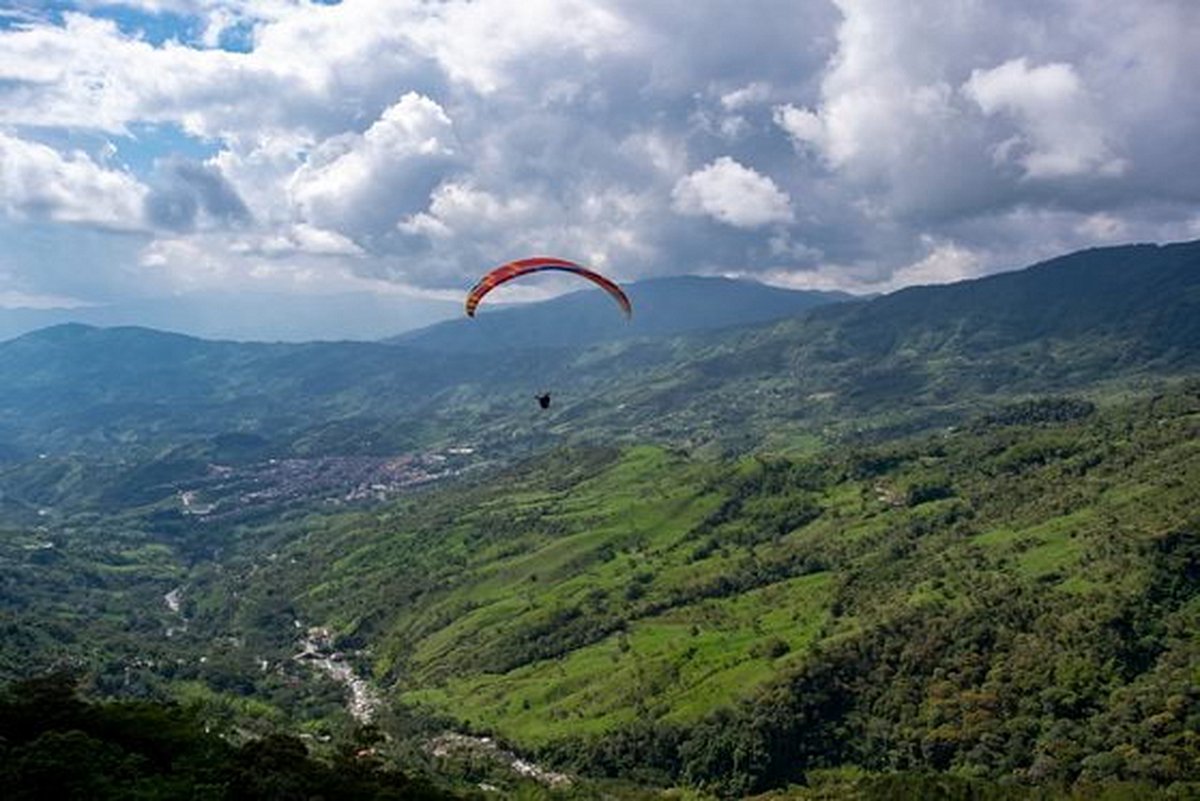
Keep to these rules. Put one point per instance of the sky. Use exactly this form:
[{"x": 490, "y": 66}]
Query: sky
[{"x": 399, "y": 148}]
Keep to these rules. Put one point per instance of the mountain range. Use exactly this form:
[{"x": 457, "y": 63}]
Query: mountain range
[
  {"x": 939, "y": 543},
  {"x": 663, "y": 307},
  {"x": 916, "y": 358}
]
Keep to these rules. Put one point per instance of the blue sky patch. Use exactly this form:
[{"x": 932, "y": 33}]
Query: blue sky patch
[
  {"x": 156, "y": 29},
  {"x": 139, "y": 152},
  {"x": 151, "y": 143}
]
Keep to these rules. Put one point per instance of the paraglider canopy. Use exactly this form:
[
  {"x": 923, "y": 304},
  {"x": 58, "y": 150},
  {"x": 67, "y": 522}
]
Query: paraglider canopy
[{"x": 536, "y": 264}]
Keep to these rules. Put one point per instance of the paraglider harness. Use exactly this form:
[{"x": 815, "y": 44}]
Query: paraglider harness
[{"x": 536, "y": 264}]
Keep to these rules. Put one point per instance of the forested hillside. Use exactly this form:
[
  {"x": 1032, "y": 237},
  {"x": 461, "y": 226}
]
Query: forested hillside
[
  {"x": 923, "y": 357},
  {"x": 55, "y": 745},
  {"x": 1016, "y": 600},
  {"x": 942, "y": 541}
]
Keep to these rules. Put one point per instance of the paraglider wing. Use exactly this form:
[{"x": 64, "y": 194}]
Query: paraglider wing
[{"x": 536, "y": 264}]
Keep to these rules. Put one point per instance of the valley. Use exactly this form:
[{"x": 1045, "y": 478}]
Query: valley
[
  {"x": 228, "y": 490},
  {"x": 876, "y": 541}
]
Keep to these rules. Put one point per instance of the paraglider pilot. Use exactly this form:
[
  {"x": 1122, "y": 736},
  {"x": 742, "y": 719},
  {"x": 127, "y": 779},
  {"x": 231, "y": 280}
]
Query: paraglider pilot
[{"x": 537, "y": 264}]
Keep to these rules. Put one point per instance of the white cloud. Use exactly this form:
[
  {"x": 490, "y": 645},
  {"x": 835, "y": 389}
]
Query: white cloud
[
  {"x": 1059, "y": 133},
  {"x": 299, "y": 238},
  {"x": 1004, "y": 127},
  {"x": 880, "y": 98},
  {"x": 458, "y": 209},
  {"x": 364, "y": 183},
  {"x": 732, "y": 193},
  {"x": 806, "y": 128},
  {"x": 945, "y": 263},
  {"x": 750, "y": 95},
  {"x": 87, "y": 74},
  {"x": 305, "y": 261},
  {"x": 37, "y": 182},
  {"x": 420, "y": 142},
  {"x": 605, "y": 228},
  {"x": 488, "y": 45}
]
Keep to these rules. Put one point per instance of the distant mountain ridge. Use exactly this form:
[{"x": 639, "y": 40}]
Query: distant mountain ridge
[
  {"x": 919, "y": 357},
  {"x": 662, "y": 307},
  {"x": 929, "y": 356},
  {"x": 1005, "y": 604},
  {"x": 1150, "y": 291}
]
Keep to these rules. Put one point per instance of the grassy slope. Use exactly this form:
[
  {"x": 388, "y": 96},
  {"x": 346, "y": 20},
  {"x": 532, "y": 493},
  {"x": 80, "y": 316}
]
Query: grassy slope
[
  {"x": 600, "y": 590},
  {"x": 1017, "y": 598},
  {"x": 979, "y": 598}
]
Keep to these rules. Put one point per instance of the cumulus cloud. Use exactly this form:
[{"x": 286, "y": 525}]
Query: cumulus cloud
[
  {"x": 1059, "y": 131},
  {"x": 732, "y": 193},
  {"x": 570, "y": 119},
  {"x": 805, "y": 127},
  {"x": 946, "y": 262},
  {"x": 1002, "y": 128},
  {"x": 941, "y": 262},
  {"x": 361, "y": 184},
  {"x": 39, "y": 183},
  {"x": 86, "y": 74},
  {"x": 457, "y": 209},
  {"x": 467, "y": 228},
  {"x": 191, "y": 193},
  {"x": 419, "y": 143},
  {"x": 488, "y": 45}
]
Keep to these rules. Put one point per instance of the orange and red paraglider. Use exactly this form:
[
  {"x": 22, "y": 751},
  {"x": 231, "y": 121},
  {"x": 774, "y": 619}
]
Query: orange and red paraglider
[{"x": 537, "y": 264}]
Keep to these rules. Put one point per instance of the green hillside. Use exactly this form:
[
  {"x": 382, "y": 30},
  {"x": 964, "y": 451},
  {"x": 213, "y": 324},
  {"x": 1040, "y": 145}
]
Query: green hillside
[
  {"x": 55, "y": 745},
  {"x": 946, "y": 538},
  {"x": 1096, "y": 321},
  {"x": 1015, "y": 600},
  {"x": 1100, "y": 320}
]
